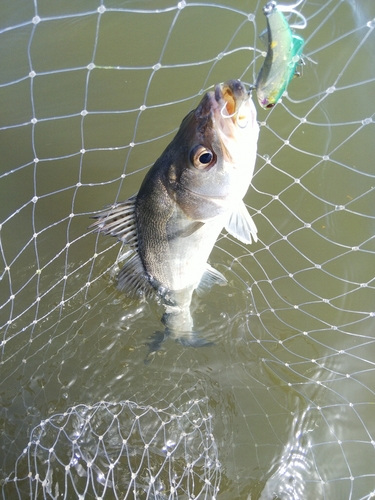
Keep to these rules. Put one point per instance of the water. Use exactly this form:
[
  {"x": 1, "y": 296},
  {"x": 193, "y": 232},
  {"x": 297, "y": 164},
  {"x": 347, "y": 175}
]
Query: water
[{"x": 289, "y": 381}]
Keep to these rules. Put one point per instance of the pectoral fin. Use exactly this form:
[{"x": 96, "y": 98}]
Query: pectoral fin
[
  {"x": 190, "y": 229},
  {"x": 241, "y": 225}
]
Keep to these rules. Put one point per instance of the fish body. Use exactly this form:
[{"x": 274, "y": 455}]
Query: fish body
[
  {"x": 284, "y": 52},
  {"x": 189, "y": 195}
]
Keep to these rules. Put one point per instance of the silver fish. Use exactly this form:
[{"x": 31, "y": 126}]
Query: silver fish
[{"x": 189, "y": 195}]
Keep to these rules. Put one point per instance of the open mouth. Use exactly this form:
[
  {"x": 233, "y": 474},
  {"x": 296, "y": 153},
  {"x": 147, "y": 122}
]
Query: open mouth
[
  {"x": 231, "y": 97},
  {"x": 228, "y": 97}
]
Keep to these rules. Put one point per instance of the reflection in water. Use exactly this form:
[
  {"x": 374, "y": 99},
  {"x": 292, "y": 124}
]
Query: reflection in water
[
  {"x": 329, "y": 435},
  {"x": 295, "y": 468}
]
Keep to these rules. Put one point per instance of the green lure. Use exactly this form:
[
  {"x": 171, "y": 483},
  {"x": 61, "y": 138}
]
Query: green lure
[{"x": 283, "y": 54}]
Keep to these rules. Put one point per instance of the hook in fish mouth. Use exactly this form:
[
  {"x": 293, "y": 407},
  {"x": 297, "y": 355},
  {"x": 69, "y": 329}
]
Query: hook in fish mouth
[
  {"x": 232, "y": 92},
  {"x": 232, "y": 96}
]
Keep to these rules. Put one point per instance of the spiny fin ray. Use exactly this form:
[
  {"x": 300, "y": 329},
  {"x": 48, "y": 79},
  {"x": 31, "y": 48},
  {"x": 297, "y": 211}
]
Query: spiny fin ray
[
  {"x": 119, "y": 220},
  {"x": 132, "y": 278}
]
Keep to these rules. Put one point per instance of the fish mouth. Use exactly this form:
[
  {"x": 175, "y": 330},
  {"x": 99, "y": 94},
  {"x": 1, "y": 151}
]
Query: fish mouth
[
  {"x": 233, "y": 103},
  {"x": 234, "y": 118}
]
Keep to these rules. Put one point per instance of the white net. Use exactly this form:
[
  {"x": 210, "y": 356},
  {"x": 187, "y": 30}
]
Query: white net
[
  {"x": 123, "y": 450},
  {"x": 281, "y": 406}
]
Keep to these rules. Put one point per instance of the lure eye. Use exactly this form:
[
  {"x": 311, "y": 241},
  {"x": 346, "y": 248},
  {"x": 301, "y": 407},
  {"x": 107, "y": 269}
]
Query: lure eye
[
  {"x": 270, "y": 105},
  {"x": 202, "y": 158},
  {"x": 269, "y": 7}
]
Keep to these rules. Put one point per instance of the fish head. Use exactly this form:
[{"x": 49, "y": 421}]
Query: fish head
[{"x": 213, "y": 153}]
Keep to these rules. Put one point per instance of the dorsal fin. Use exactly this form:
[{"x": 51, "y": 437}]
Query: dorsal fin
[{"x": 119, "y": 220}]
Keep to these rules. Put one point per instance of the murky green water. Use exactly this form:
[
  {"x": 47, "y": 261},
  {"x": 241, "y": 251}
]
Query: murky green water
[{"x": 89, "y": 99}]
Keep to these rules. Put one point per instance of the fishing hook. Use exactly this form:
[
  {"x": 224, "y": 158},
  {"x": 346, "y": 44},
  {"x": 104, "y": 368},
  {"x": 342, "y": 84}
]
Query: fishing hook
[{"x": 233, "y": 114}]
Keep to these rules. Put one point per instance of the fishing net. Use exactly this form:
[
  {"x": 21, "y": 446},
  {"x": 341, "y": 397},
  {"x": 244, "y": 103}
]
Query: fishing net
[
  {"x": 123, "y": 450},
  {"x": 95, "y": 401}
]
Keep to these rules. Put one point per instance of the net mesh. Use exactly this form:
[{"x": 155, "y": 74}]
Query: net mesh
[
  {"x": 123, "y": 450},
  {"x": 282, "y": 405}
]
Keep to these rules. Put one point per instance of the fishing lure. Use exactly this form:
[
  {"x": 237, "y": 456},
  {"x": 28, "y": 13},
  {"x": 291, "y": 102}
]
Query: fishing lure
[{"x": 284, "y": 52}]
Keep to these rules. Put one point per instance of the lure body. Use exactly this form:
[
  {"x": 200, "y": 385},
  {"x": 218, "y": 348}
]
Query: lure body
[{"x": 284, "y": 50}]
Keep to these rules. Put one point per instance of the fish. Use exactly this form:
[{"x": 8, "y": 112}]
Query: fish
[
  {"x": 284, "y": 53},
  {"x": 192, "y": 191}
]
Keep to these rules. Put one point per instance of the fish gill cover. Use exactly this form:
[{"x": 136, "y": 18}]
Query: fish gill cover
[{"x": 281, "y": 404}]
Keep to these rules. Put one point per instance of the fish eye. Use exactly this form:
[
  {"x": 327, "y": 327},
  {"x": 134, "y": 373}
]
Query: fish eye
[
  {"x": 201, "y": 157},
  {"x": 205, "y": 158}
]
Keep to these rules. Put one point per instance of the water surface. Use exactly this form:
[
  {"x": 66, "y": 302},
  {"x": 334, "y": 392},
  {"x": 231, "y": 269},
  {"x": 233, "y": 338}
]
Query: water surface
[{"x": 91, "y": 93}]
